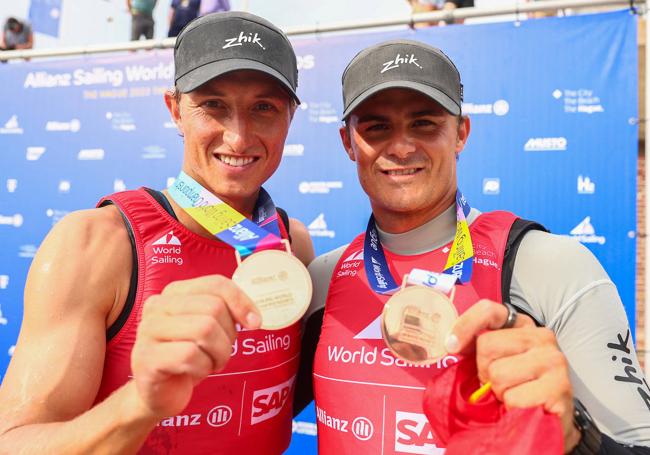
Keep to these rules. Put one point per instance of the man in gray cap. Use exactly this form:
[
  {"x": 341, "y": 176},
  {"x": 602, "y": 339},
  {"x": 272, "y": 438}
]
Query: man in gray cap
[
  {"x": 560, "y": 334},
  {"x": 134, "y": 337}
]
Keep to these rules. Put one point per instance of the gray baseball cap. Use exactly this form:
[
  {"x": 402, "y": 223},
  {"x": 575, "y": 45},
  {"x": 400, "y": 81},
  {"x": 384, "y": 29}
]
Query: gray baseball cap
[
  {"x": 404, "y": 64},
  {"x": 216, "y": 44}
]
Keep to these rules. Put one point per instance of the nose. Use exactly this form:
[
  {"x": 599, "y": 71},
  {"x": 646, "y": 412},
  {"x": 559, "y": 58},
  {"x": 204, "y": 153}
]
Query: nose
[
  {"x": 401, "y": 145},
  {"x": 237, "y": 134}
]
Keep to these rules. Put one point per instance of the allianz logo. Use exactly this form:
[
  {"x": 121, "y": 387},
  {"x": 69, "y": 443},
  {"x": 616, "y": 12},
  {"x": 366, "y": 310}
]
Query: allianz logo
[
  {"x": 318, "y": 228},
  {"x": 11, "y": 126},
  {"x": 499, "y": 108},
  {"x": 72, "y": 126},
  {"x": 319, "y": 187},
  {"x": 361, "y": 427},
  {"x": 585, "y": 232},
  {"x": 217, "y": 417},
  {"x": 545, "y": 144}
]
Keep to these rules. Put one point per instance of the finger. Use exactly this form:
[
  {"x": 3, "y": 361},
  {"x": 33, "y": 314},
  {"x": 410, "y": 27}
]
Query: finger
[
  {"x": 241, "y": 306},
  {"x": 499, "y": 344},
  {"x": 175, "y": 358},
  {"x": 483, "y": 315},
  {"x": 552, "y": 390}
]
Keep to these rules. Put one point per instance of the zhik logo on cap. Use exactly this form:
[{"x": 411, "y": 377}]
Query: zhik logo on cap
[
  {"x": 399, "y": 60},
  {"x": 242, "y": 39}
]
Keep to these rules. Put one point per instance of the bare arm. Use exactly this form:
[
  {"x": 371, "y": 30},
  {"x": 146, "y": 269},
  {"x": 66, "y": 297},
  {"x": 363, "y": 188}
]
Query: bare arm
[
  {"x": 301, "y": 243},
  {"x": 56, "y": 369}
]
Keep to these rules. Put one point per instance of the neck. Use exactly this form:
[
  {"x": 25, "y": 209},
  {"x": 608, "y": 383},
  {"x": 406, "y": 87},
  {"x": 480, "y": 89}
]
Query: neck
[{"x": 395, "y": 222}]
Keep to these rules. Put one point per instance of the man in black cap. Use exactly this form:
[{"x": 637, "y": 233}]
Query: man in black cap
[
  {"x": 134, "y": 337},
  {"x": 561, "y": 332}
]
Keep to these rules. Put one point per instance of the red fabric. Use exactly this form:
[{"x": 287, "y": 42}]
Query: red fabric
[{"x": 486, "y": 427}]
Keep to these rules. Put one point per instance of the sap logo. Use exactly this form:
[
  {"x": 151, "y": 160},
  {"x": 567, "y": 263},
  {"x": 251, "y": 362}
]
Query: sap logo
[
  {"x": 545, "y": 144},
  {"x": 72, "y": 126},
  {"x": 12, "y": 184},
  {"x": 585, "y": 232},
  {"x": 306, "y": 428},
  {"x": 269, "y": 402},
  {"x": 34, "y": 153},
  {"x": 12, "y": 126},
  {"x": 585, "y": 185},
  {"x": 319, "y": 187},
  {"x": 243, "y": 38},
  {"x": 318, "y": 228},
  {"x": 407, "y": 59},
  {"x": 413, "y": 434},
  {"x": 306, "y": 62},
  {"x": 189, "y": 420},
  {"x": 491, "y": 186},
  {"x": 90, "y": 155},
  {"x": 119, "y": 185},
  {"x": 64, "y": 186},
  {"x": 219, "y": 416},
  {"x": 4, "y": 281},
  {"x": 12, "y": 220},
  {"x": 242, "y": 233},
  {"x": 293, "y": 150},
  {"x": 3, "y": 320}
]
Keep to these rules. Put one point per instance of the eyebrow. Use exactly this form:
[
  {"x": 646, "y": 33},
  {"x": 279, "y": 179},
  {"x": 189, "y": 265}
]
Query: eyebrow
[
  {"x": 380, "y": 118},
  {"x": 264, "y": 95}
]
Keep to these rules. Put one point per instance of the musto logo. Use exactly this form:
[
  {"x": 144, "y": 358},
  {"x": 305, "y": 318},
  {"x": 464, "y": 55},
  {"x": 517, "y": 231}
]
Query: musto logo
[
  {"x": 269, "y": 402},
  {"x": 413, "y": 434}
]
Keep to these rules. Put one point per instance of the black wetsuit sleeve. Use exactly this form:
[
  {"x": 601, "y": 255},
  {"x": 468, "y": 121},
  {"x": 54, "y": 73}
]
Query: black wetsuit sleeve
[{"x": 610, "y": 447}]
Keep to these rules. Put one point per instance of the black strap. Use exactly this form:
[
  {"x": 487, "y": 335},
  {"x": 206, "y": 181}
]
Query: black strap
[{"x": 162, "y": 200}]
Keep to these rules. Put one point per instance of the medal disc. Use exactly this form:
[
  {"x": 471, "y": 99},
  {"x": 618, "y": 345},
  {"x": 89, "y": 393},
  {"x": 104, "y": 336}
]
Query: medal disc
[
  {"x": 415, "y": 322},
  {"x": 279, "y": 285}
]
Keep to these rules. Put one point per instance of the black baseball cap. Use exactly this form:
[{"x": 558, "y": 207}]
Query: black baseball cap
[
  {"x": 218, "y": 43},
  {"x": 405, "y": 64}
]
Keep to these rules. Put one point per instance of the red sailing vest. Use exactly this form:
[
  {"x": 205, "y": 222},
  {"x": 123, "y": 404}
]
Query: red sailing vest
[
  {"x": 246, "y": 408},
  {"x": 368, "y": 401}
]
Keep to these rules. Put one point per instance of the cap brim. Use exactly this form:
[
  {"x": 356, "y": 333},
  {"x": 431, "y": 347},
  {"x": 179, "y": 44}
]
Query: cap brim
[
  {"x": 199, "y": 76},
  {"x": 427, "y": 90}
]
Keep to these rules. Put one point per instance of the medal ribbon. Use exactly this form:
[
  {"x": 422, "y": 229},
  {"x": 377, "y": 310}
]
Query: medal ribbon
[
  {"x": 226, "y": 223},
  {"x": 459, "y": 262}
]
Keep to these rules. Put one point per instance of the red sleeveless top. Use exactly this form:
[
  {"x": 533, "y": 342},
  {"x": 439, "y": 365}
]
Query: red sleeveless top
[
  {"x": 367, "y": 400},
  {"x": 246, "y": 408}
]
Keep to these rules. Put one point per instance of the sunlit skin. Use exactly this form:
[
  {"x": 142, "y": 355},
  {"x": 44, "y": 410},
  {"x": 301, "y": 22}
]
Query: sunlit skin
[
  {"x": 242, "y": 114},
  {"x": 401, "y": 130}
]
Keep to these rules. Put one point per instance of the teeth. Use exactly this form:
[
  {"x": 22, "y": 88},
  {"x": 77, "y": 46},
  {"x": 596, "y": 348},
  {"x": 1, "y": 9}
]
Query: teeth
[
  {"x": 401, "y": 172},
  {"x": 235, "y": 162}
]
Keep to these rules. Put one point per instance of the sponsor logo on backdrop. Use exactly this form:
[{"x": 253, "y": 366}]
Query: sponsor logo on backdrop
[
  {"x": 268, "y": 403},
  {"x": 319, "y": 187},
  {"x": 491, "y": 186},
  {"x": 12, "y": 220},
  {"x": 498, "y": 108},
  {"x": 320, "y": 112},
  {"x": 122, "y": 121},
  {"x": 91, "y": 155},
  {"x": 98, "y": 75},
  {"x": 169, "y": 125},
  {"x": 546, "y": 144},
  {"x": 12, "y": 184},
  {"x": 11, "y": 126},
  {"x": 219, "y": 416},
  {"x": 243, "y": 38},
  {"x": 34, "y": 153},
  {"x": 10, "y": 352},
  {"x": 318, "y": 228},
  {"x": 4, "y": 281},
  {"x": 306, "y": 62},
  {"x": 72, "y": 126},
  {"x": 413, "y": 434},
  {"x": 153, "y": 152},
  {"x": 170, "y": 181},
  {"x": 406, "y": 59},
  {"x": 306, "y": 428},
  {"x": 119, "y": 185},
  {"x": 293, "y": 150},
  {"x": 586, "y": 233},
  {"x": 167, "y": 250},
  {"x": 585, "y": 185},
  {"x": 64, "y": 186},
  {"x": 27, "y": 251},
  {"x": 579, "y": 101},
  {"x": 56, "y": 215},
  {"x": 3, "y": 320}
]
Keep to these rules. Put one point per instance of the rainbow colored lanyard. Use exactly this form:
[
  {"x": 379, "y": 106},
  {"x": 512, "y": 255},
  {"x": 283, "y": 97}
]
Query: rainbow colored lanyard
[
  {"x": 459, "y": 262},
  {"x": 226, "y": 223}
]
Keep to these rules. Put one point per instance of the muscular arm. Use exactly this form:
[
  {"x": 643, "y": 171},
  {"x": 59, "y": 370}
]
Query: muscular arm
[
  {"x": 301, "y": 243},
  {"x": 75, "y": 288},
  {"x": 562, "y": 285}
]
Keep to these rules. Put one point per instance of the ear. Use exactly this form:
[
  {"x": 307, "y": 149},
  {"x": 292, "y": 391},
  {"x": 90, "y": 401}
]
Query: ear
[
  {"x": 173, "y": 105},
  {"x": 462, "y": 134},
  {"x": 344, "y": 131}
]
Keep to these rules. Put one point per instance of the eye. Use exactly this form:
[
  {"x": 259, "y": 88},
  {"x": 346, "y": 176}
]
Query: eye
[
  {"x": 212, "y": 104},
  {"x": 265, "y": 107},
  {"x": 423, "y": 122},
  {"x": 377, "y": 127}
]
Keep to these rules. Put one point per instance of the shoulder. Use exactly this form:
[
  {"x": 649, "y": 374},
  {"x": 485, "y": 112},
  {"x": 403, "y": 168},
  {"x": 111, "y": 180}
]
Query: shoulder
[{"x": 301, "y": 242}]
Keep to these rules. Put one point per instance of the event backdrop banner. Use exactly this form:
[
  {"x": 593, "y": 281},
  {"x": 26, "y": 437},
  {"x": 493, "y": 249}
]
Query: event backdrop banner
[{"x": 553, "y": 104}]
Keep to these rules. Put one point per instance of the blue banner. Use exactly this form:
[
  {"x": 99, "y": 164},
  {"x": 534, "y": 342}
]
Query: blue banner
[{"x": 553, "y": 105}]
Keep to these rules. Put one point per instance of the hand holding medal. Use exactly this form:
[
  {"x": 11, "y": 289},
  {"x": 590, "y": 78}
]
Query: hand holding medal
[{"x": 276, "y": 281}]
